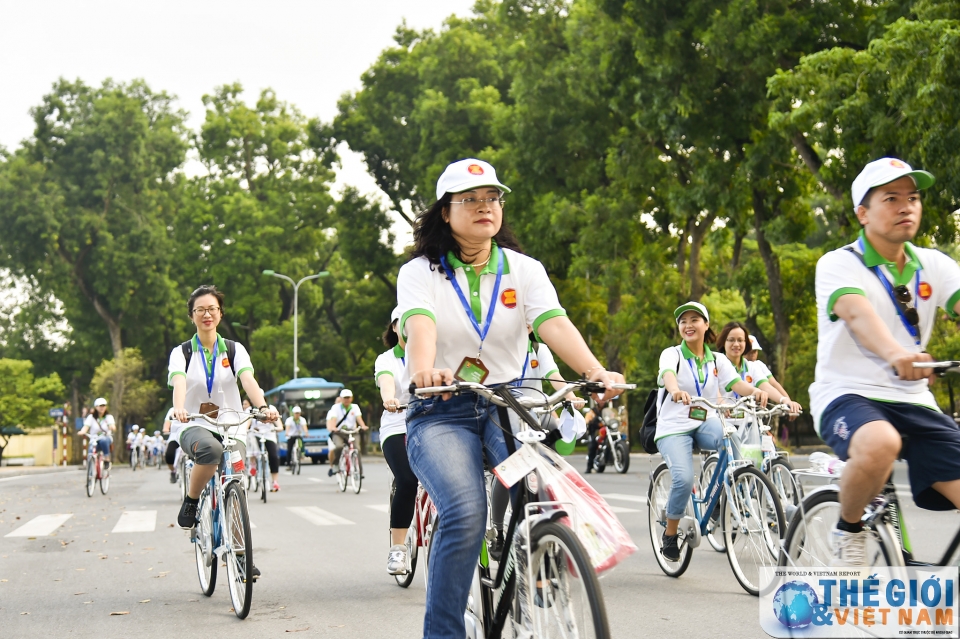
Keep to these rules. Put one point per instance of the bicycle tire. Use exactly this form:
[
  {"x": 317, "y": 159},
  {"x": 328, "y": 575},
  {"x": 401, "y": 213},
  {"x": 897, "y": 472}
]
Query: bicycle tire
[
  {"x": 621, "y": 457},
  {"x": 808, "y": 540},
  {"x": 566, "y": 591},
  {"x": 133, "y": 459},
  {"x": 755, "y": 543},
  {"x": 356, "y": 471},
  {"x": 239, "y": 553},
  {"x": 203, "y": 546},
  {"x": 342, "y": 471},
  {"x": 183, "y": 477},
  {"x": 91, "y": 475},
  {"x": 657, "y": 494},
  {"x": 262, "y": 471},
  {"x": 780, "y": 472},
  {"x": 410, "y": 542},
  {"x": 104, "y": 477},
  {"x": 715, "y": 536}
]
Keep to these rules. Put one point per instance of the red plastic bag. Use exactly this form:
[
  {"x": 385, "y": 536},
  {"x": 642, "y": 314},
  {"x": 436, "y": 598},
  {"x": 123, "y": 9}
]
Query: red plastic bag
[{"x": 605, "y": 539}]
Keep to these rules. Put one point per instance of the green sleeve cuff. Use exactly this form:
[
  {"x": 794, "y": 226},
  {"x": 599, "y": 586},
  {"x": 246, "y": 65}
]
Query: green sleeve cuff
[
  {"x": 951, "y": 303},
  {"x": 243, "y": 370},
  {"x": 411, "y": 313},
  {"x": 172, "y": 375},
  {"x": 557, "y": 312},
  {"x": 556, "y": 370},
  {"x": 837, "y": 294},
  {"x": 382, "y": 373},
  {"x": 662, "y": 373},
  {"x": 765, "y": 380},
  {"x": 730, "y": 385}
]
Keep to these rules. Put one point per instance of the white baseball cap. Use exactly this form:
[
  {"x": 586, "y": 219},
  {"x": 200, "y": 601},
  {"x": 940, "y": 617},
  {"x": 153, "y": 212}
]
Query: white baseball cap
[
  {"x": 346, "y": 392},
  {"x": 464, "y": 175},
  {"x": 296, "y": 409},
  {"x": 885, "y": 171},
  {"x": 691, "y": 306},
  {"x": 99, "y": 402},
  {"x": 395, "y": 314},
  {"x": 754, "y": 344}
]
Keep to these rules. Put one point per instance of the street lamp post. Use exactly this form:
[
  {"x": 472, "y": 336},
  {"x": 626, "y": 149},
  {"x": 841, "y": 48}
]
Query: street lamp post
[{"x": 296, "y": 289}]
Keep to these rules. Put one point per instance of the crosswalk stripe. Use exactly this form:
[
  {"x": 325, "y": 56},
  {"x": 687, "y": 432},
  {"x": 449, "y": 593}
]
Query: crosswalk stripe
[
  {"x": 132, "y": 521},
  {"x": 316, "y": 479},
  {"x": 381, "y": 507},
  {"x": 621, "y": 497},
  {"x": 621, "y": 509},
  {"x": 40, "y": 526},
  {"x": 318, "y": 517}
]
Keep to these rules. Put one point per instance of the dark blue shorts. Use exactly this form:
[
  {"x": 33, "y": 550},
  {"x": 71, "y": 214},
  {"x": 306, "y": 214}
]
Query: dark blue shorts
[{"x": 932, "y": 447}]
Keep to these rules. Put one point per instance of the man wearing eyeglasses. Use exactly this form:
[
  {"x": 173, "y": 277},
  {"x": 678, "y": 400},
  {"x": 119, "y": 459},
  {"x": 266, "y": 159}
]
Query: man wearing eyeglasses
[{"x": 877, "y": 301}]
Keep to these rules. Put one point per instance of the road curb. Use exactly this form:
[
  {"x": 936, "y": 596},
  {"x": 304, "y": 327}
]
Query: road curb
[{"x": 17, "y": 471}]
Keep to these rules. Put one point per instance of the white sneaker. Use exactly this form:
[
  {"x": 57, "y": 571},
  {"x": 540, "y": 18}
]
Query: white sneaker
[
  {"x": 849, "y": 549},
  {"x": 397, "y": 560}
]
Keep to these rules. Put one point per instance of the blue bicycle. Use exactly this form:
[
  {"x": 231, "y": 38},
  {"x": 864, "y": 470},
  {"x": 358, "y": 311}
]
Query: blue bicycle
[
  {"x": 751, "y": 515},
  {"x": 223, "y": 523}
]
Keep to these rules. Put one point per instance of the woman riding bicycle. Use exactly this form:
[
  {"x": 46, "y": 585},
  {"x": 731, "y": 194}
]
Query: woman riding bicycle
[
  {"x": 465, "y": 300},
  {"x": 268, "y": 433},
  {"x": 207, "y": 383},
  {"x": 391, "y": 377},
  {"x": 691, "y": 369},
  {"x": 100, "y": 423}
]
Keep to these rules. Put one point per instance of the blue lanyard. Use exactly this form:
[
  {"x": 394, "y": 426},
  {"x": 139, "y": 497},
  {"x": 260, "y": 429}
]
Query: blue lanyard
[
  {"x": 914, "y": 333},
  {"x": 743, "y": 373},
  {"x": 466, "y": 305},
  {"x": 696, "y": 376},
  {"x": 213, "y": 364}
]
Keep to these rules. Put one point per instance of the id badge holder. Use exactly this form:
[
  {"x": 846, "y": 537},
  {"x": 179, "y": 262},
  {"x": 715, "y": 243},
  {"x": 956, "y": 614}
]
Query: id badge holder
[
  {"x": 698, "y": 413},
  {"x": 472, "y": 370},
  {"x": 209, "y": 409}
]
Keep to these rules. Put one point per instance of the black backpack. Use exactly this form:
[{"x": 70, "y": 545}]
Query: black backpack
[
  {"x": 187, "y": 348},
  {"x": 648, "y": 429}
]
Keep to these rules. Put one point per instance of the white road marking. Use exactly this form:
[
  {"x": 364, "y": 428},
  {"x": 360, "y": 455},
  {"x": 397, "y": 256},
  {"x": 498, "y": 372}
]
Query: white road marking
[
  {"x": 40, "y": 526},
  {"x": 319, "y": 517},
  {"x": 621, "y": 509},
  {"x": 621, "y": 497},
  {"x": 316, "y": 479},
  {"x": 133, "y": 521},
  {"x": 381, "y": 507}
]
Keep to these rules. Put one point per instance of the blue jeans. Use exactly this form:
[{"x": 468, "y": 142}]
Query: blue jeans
[
  {"x": 677, "y": 451},
  {"x": 445, "y": 444}
]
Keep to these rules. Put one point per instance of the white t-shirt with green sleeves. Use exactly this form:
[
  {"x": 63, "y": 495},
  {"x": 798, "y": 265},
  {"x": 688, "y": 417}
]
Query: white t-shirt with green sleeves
[
  {"x": 846, "y": 367},
  {"x": 338, "y": 411},
  {"x": 390, "y": 369},
  {"x": 715, "y": 375}
]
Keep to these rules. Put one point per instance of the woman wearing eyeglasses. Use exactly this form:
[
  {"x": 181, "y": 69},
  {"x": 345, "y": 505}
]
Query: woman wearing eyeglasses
[
  {"x": 205, "y": 383},
  {"x": 465, "y": 301}
]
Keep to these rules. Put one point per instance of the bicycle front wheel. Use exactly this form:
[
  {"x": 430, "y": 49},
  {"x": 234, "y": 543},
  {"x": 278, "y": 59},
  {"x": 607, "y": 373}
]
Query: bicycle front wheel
[
  {"x": 788, "y": 488},
  {"x": 715, "y": 527},
  {"x": 657, "y": 495},
  {"x": 809, "y": 538},
  {"x": 565, "y": 591},
  {"x": 753, "y": 525},
  {"x": 203, "y": 546},
  {"x": 262, "y": 469},
  {"x": 342, "y": 471},
  {"x": 356, "y": 471},
  {"x": 91, "y": 475},
  {"x": 104, "y": 476},
  {"x": 239, "y": 549}
]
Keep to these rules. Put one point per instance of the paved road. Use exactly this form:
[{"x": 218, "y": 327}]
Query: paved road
[{"x": 322, "y": 554}]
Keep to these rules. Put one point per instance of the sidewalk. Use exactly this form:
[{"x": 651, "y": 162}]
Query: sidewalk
[{"x": 16, "y": 471}]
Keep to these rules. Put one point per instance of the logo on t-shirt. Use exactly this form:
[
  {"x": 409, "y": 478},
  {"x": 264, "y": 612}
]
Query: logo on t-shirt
[
  {"x": 534, "y": 363},
  {"x": 225, "y": 362},
  {"x": 509, "y": 298},
  {"x": 924, "y": 290},
  {"x": 475, "y": 169},
  {"x": 749, "y": 379}
]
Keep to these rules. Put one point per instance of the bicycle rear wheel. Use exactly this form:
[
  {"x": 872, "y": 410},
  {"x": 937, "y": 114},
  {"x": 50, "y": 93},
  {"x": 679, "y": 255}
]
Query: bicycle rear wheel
[
  {"x": 657, "y": 495},
  {"x": 203, "y": 545},
  {"x": 567, "y": 601},
  {"x": 356, "y": 471},
  {"x": 809, "y": 538},
  {"x": 239, "y": 556},
  {"x": 262, "y": 468},
  {"x": 104, "y": 476},
  {"x": 753, "y": 525},
  {"x": 788, "y": 488},
  {"x": 91, "y": 475}
]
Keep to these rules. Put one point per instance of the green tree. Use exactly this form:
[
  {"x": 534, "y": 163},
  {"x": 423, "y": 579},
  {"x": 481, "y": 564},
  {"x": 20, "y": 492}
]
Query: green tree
[
  {"x": 141, "y": 395},
  {"x": 24, "y": 398}
]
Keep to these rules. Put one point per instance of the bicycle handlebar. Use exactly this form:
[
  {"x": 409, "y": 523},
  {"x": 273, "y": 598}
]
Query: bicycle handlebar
[
  {"x": 940, "y": 368},
  {"x": 527, "y": 402},
  {"x": 743, "y": 401}
]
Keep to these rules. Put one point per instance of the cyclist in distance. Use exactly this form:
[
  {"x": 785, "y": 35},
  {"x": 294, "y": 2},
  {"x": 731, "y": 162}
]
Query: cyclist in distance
[
  {"x": 171, "y": 426},
  {"x": 688, "y": 370},
  {"x": 466, "y": 298},
  {"x": 753, "y": 355},
  {"x": 346, "y": 415},
  {"x": 101, "y": 423},
  {"x": 594, "y": 422},
  {"x": 206, "y": 383},
  {"x": 391, "y": 377},
  {"x": 877, "y": 301},
  {"x": 297, "y": 429}
]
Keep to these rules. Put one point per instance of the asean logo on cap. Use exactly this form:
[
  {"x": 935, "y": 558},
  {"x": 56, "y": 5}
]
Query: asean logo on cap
[
  {"x": 897, "y": 164},
  {"x": 475, "y": 169},
  {"x": 924, "y": 290},
  {"x": 509, "y": 298}
]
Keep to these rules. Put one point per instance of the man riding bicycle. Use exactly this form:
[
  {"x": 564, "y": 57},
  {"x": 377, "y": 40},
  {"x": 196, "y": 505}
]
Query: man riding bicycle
[
  {"x": 344, "y": 415},
  {"x": 877, "y": 301},
  {"x": 297, "y": 429}
]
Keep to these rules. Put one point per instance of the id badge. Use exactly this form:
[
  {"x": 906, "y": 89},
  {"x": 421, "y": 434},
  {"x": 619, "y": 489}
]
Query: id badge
[
  {"x": 472, "y": 370},
  {"x": 698, "y": 413},
  {"x": 209, "y": 409}
]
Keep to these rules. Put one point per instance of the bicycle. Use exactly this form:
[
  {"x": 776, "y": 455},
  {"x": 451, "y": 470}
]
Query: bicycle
[
  {"x": 418, "y": 536},
  {"x": 223, "y": 524},
  {"x": 295, "y": 460},
  {"x": 184, "y": 468},
  {"x": 134, "y": 457},
  {"x": 257, "y": 480},
  {"x": 545, "y": 584},
  {"x": 773, "y": 463},
  {"x": 97, "y": 471},
  {"x": 349, "y": 466},
  {"x": 808, "y": 539},
  {"x": 751, "y": 516}
]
